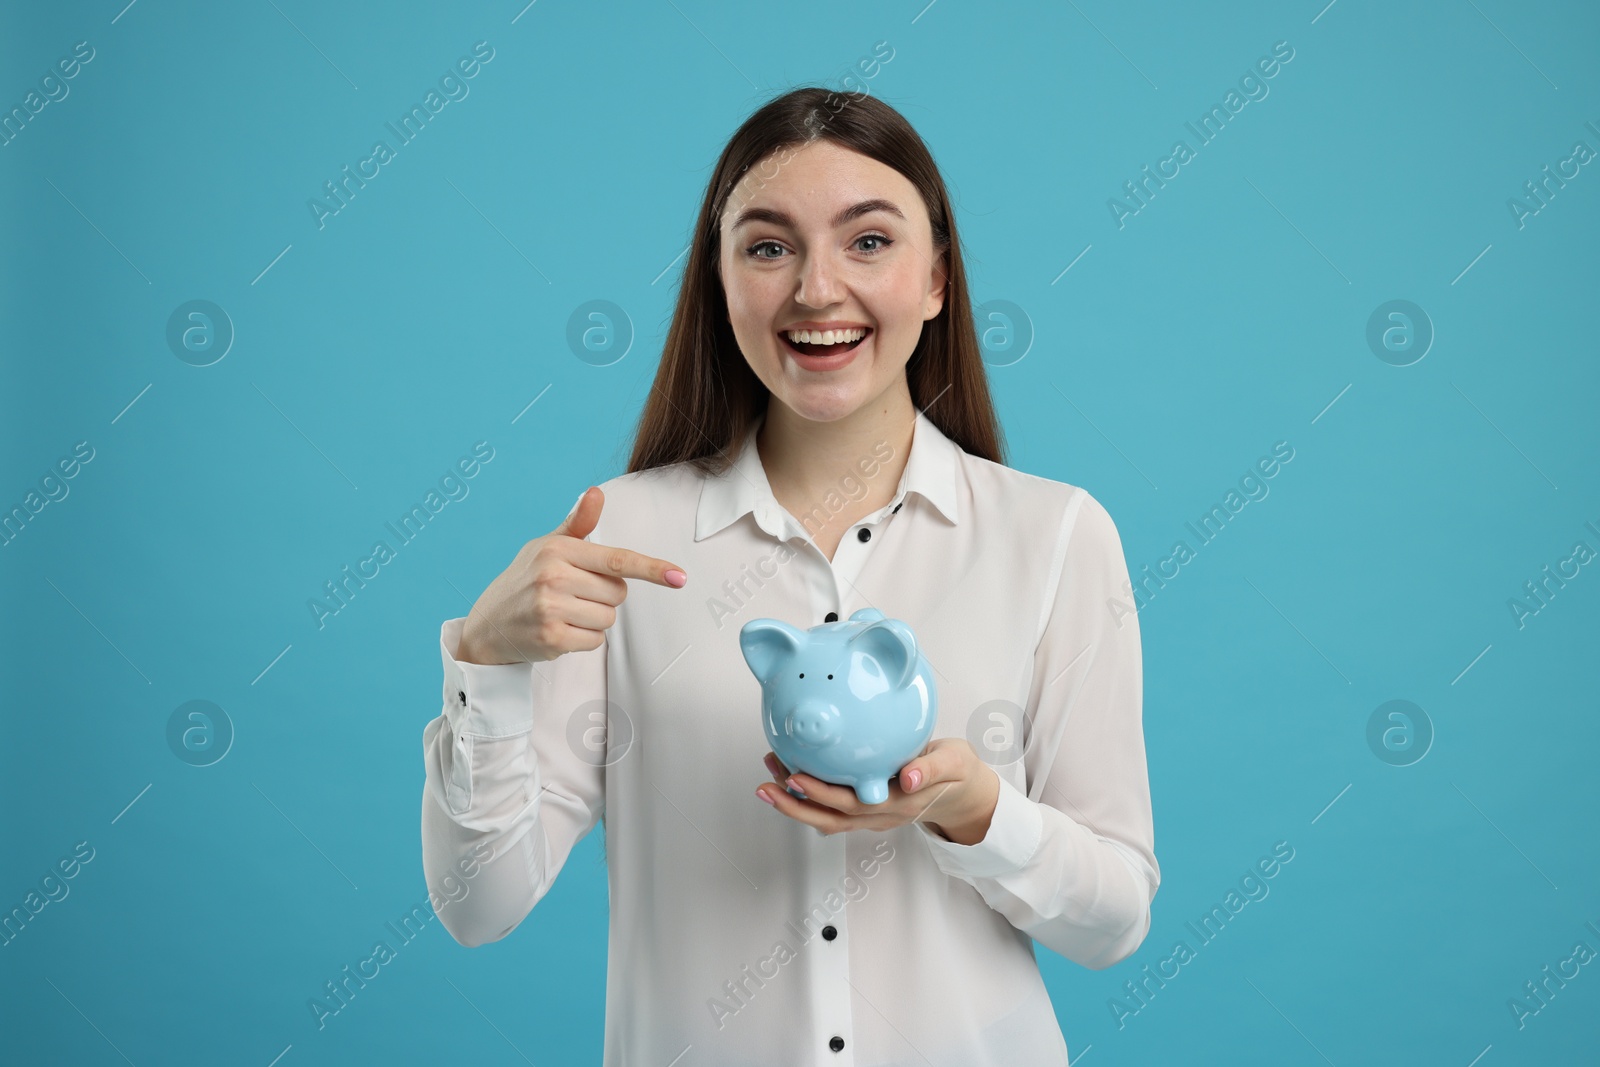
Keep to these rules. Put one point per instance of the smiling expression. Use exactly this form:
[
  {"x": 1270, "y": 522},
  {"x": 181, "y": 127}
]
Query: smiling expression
[{"x": 834, "y": 240}]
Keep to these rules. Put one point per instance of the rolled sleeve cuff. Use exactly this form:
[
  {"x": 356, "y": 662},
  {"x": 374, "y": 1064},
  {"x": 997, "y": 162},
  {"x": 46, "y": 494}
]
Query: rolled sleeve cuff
[
  {"x": 1015, "y": 831},
  {"x": 484, "y": 699}
]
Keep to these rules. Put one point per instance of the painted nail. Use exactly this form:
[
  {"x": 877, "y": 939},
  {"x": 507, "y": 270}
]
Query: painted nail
[
  {"x": 763, "y": 796},
  {"x": 912, "y": 778},
  {"x": 676, "y": 578}
]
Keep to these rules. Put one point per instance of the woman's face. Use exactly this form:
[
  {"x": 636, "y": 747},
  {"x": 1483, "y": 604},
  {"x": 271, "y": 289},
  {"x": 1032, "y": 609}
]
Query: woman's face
[{"x": 822, "y": 236}]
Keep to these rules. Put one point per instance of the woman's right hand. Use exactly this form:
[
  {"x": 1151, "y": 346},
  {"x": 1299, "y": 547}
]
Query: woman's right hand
[{"x": 559, "y": 595}]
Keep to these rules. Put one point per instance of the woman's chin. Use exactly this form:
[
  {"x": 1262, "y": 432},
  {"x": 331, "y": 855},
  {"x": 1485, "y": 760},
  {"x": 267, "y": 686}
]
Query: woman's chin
[
  {"x": 821, "y": 403},
  {"x": 823, "y": 397}
]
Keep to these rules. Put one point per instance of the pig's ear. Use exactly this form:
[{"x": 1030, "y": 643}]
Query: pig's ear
[
  {"x": 767, "y": 644},
  {"x": 893, "y": 645}
]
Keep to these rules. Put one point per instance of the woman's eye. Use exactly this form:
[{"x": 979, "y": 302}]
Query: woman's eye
[
  {"x": 753, "y": 249},
  {"x": 882, "y": 242}
]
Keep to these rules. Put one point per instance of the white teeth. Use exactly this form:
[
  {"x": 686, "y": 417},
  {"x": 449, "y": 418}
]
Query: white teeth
[{"x": 825, "y": 337}]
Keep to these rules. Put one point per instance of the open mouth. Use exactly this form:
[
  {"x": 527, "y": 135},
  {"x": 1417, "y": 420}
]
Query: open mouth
[{"x": 823, "y": 349}]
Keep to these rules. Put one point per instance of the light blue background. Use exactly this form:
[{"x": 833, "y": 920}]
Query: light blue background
[{"x": 1227, "y": 315}]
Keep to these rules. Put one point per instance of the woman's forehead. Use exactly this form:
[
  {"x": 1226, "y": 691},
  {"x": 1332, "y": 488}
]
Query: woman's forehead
[{"x": 817, "y": 183}]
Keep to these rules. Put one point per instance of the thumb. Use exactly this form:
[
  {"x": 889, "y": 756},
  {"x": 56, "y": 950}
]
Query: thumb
[
  {"x": 920, "y": 770},
  {"x": 585, "y": 514}
]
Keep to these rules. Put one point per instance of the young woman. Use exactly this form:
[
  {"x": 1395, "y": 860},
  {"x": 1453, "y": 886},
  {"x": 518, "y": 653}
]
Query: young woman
[{"x": 819, "y": 439}]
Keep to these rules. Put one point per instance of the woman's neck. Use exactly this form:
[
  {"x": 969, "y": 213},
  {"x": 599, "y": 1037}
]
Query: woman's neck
[{"x": 807, "y": 461}]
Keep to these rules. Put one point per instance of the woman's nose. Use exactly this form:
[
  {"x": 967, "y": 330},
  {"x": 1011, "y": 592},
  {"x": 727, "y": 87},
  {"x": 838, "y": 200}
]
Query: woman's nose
[{"x": 819, "y": 283}]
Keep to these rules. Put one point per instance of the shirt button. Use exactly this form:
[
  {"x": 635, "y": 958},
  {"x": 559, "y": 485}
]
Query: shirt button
[
  {"x": 898, "y": 506},
  {"x": 832, "y": 616},
  {"x": 829, "y": 933},
  {"x": 864, "y": 535},
  {"x": 462, "y": 696},
  {"x": 836, "y": 1043}
]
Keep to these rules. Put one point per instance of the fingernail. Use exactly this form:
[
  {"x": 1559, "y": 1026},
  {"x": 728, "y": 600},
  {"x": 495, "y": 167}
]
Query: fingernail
[
  {"x": 792, "y": 784},
  {"x": 912, "y": 778},
  {"x": 768, "y": 799},
  {"x": 576, "y": 502},
  {"x": 676, "y": 578}
]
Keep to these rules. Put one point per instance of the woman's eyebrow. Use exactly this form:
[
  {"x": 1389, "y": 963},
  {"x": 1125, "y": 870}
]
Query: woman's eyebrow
[{"x": 849, "y": 214}]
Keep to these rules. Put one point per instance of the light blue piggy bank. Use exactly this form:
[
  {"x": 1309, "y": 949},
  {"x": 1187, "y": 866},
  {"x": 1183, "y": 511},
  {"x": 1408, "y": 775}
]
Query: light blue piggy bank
[{"x": 847, "y": 702}]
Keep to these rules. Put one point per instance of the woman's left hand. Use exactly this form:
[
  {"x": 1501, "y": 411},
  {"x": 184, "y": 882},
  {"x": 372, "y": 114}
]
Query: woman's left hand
[{"x": 947, "y": 788}]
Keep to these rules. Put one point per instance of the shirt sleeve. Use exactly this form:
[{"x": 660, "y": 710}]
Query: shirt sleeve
[
  {"x": 515, "y": 777},
  {"x": 1071, "y": 862}
]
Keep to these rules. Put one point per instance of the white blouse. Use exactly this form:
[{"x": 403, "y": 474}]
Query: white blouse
[{"x": 737, "y": 934}]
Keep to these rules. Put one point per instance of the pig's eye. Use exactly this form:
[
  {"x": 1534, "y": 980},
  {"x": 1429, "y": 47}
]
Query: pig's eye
[
  {"x": 802, "y": 674},
  {"x": 830, "y": 677}
]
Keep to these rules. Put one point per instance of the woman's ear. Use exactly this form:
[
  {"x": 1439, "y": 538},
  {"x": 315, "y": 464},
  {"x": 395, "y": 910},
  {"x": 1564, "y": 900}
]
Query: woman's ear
[{"x": 938, "y": 285}]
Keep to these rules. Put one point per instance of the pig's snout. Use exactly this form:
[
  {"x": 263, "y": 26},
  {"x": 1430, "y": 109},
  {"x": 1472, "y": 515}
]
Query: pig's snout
[{"x": 816, "y": 725}]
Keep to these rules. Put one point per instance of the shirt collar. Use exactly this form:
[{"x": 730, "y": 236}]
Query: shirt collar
[{"x": 743, "y": 488}]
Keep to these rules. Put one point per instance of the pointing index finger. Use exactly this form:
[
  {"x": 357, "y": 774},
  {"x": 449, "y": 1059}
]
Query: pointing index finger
[{"x": 626, "y": 563}]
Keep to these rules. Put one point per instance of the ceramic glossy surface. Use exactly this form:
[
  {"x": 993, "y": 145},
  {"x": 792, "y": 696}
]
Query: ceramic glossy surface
[{"x": 848, "y": 702}]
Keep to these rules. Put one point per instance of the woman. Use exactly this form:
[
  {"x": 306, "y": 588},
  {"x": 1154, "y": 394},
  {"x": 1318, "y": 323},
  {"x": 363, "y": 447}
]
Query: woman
[{"x": 819, "y": 439}]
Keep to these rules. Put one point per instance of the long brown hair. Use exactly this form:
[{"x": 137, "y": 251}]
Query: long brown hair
[{"x": 705, "y": 397}]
